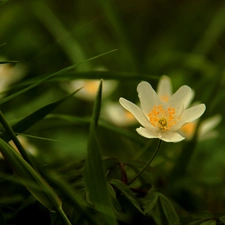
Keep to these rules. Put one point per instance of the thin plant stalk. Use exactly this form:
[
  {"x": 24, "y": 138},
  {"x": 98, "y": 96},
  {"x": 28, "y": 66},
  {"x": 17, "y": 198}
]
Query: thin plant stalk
[
  {"x": 147, "y": 164},
  {"x": 63, "y": 217}
]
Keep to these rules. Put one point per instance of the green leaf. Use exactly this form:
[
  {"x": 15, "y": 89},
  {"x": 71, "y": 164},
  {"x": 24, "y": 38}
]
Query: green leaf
[
  {"x": 150, "y": 201},
  {"x": 196, "y": 222},
  {"x": 8, "y": 61},
  {"x": 169, "y": 210},
  {"x": 94, "y": 174},
  {"x": 34, "y": 117},
  {"x": 127, "y": 192},
  {"x": 222, "y": 219},
  {"x": 157, "y": 203},
  {"x": 66, "y": 190},
  {"x": 209, "y": 222},
  {"x": 30, "y": 178}
]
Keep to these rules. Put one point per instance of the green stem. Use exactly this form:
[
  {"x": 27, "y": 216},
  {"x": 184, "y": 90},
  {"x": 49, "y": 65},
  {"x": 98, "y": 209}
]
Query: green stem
[
  {"x": 63, "y": 216},
  {"x": 147, "y": 164},
  {"x": 12, "y": 135}
]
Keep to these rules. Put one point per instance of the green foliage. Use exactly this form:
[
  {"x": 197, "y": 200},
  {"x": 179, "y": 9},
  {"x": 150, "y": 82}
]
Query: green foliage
[
  {"x": 94, "y": 175},
  {"x": 159, "y": 206},
  {"x": 77, "y": 164},
  {"x": 124, "y": 189}
]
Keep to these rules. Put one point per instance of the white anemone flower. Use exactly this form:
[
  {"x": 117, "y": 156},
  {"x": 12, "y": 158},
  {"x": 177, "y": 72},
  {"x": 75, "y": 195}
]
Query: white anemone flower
[{"x": 162, "y": 119}]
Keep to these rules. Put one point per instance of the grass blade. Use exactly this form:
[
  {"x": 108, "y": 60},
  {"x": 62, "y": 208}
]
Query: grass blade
[
  {"x": 36, "y": 116},
  {"x": 94, "y": 174}
]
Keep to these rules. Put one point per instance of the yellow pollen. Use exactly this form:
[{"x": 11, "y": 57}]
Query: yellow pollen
[{"x": 161, "y": 118}]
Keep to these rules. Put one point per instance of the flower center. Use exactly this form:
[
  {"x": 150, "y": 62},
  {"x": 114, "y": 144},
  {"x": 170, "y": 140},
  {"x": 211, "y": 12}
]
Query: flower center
[{"x": 161, "y": 118}]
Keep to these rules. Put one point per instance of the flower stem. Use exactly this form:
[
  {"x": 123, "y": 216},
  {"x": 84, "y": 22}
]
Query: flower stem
[
  {"x": 147, "y": 164},
  {"x": 63, "y": 216}
]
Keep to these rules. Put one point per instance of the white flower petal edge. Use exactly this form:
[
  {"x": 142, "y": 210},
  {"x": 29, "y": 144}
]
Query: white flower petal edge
[
  {"x": 189, "y": 99},
  {"x": 164, "y": 136},
  {"x": 189, "y": 115},
  {"x": 148, "y": 133},
  {"x": 180, "y": 97},
  {"x": 170, "y": 136},
  {"x": 137, "y": 112},
  {"x": 148, "y": 97},
  {"x": 164, "y": 88}
]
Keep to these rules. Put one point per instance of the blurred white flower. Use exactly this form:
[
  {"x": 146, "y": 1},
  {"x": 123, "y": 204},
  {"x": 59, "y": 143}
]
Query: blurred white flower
[
  {"x": 10, "y": 74},
  {"x": 162, "y": 115},
  {"x": 118, "y": 115},
  {"x": 90, "y": 88},
  {"x": 205, "y": 130},
  {"x": 29, "y": 147}
]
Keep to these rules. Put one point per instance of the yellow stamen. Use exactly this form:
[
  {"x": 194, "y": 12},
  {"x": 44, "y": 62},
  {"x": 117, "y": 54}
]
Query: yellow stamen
[{"x": 161, "y": 118}]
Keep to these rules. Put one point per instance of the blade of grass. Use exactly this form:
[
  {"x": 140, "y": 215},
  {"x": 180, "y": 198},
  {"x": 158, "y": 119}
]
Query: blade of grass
[
  {"x": 70, "y": 46},
  {"x": 214, "y": 31},
  {"x": 12, "y": 135},
  {"x": 33, "y": 181},
  {"x": 101, "y": 123},
  {"x": 120, "y": 29},
  {"x": 8, "y": 61},
  {"x": 66, "y": 191},
  {"x": 36, "y": 116},
  {"x": 106, "y": 75},
  {"x": 94, "y": 174},
  {"x": 66, "y": 69},
  {"x": 25, "y": 172}
]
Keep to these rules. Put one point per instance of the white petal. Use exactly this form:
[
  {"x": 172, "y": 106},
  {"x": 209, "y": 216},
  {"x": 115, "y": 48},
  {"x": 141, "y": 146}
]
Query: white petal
[
  {"x": 189, "y": 99},
  {"x": 148, "y": 133},
  {"x": 164, "y": 89},
  {"x": 209, "y": 124},
  {"x": 169, "y": 136},
  {"x": 148, "y": 97},
  {"x": 180, "y": 97},
  {"x": 189, "y": 115},
  {"x": 136, "y": 111}
]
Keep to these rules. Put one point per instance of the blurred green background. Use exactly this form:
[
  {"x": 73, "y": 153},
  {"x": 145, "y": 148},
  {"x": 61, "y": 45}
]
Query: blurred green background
[{"x": 184, "y": 39}]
